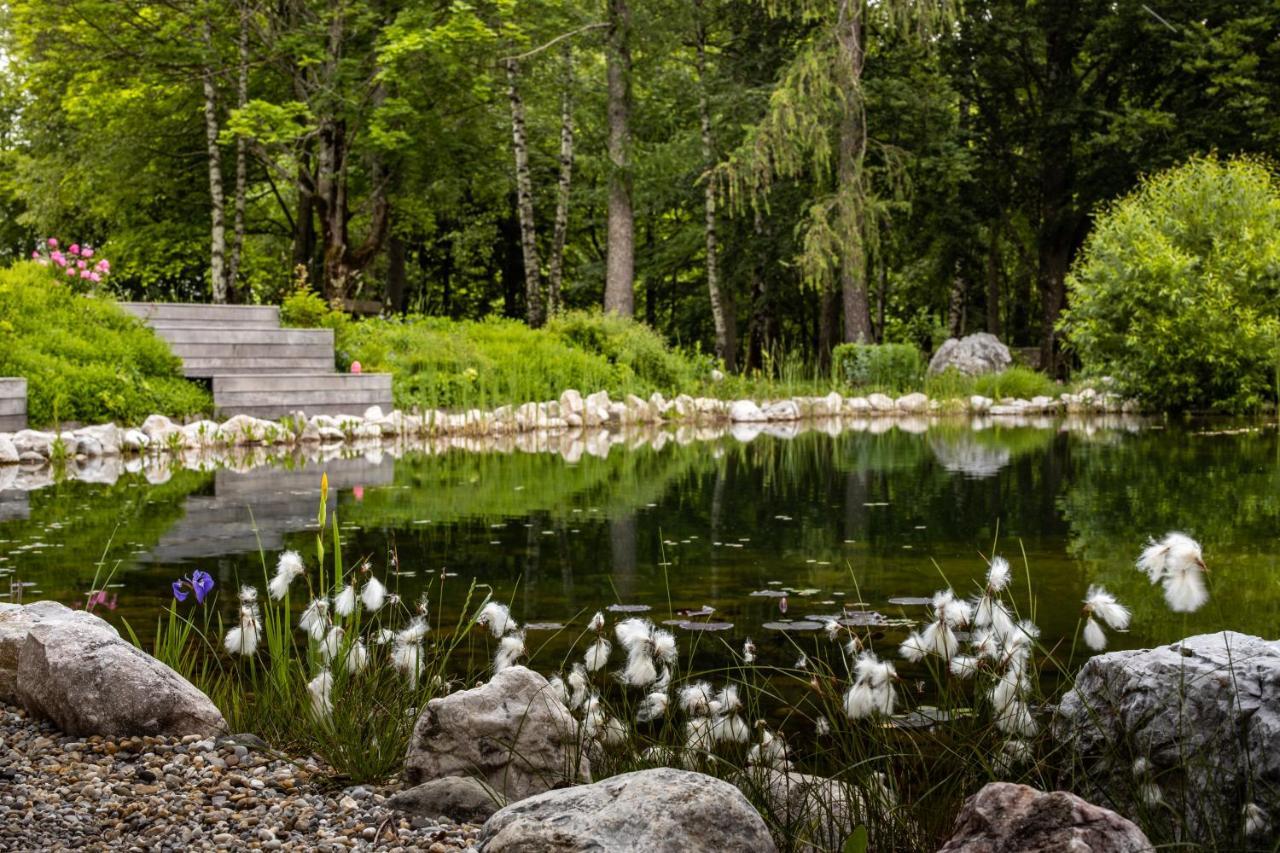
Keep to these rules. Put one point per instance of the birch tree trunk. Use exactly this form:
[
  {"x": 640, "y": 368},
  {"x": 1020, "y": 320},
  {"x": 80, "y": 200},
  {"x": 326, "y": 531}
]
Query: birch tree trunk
[
  {"x": 555, "y": 266},
  {"x": 242, "y": 168},
  {"x": 722, "y": 313},
  {"x": 217, "y": 201},
  {"x": 850, "y": 177},
  {"x": 534, "y": 315},
  {"x": 619, "y": 296}
]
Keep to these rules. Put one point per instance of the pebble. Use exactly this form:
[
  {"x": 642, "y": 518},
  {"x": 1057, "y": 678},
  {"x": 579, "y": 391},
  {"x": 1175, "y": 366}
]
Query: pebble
[{"x": 157, "y": 793}]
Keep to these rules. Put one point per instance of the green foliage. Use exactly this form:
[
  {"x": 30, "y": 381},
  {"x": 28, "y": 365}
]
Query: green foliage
[
  {"x": 893, "y": 367},
  {"x": 1176, "y": 293},
  {"x": 85, "y": 359},
  {"x": 442, "y": 363},
  {"x": 1017, "y": 382}
]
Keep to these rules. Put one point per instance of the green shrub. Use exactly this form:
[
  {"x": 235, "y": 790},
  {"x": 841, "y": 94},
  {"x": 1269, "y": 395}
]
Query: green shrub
[
  {"x": 628, "y": 343},
  {"x": 891, "y": 367},
  {"x": 1176, "y": 293},
  {"x": 84, "y": 358}
]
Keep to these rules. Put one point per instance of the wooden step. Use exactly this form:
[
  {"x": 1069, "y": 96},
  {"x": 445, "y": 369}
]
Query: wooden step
[
  {"x": 177, "y": 314},
  {"x": 13, "y": 404},
  {"x": 274, "y": 395},
  {"x": 208, "y": 352}
]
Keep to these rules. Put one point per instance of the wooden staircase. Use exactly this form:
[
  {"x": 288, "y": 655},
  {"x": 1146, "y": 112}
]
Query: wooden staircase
[{"x": 258, "y": 368}]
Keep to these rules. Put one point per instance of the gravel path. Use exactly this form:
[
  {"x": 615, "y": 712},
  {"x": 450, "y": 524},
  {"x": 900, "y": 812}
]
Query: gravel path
[{"x": 143, "y": 793}]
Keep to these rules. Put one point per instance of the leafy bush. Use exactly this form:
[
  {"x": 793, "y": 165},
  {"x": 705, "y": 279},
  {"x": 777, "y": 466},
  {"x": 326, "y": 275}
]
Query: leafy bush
[
  {"x": 437, "y": 362},
  {"x": 1017, "y": 382},
  {"x": 83, "y": 357},
  {"x": 1176, "y": 293},
  {"x": 892, "y": 367}
]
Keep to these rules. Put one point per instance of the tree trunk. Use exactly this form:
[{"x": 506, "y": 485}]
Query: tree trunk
[
  {"x": 533, "y": 307},
  {"x": 619, "y": 296},
  {"x": 849, "y": 175},
  {"x": 395, "y": 274},
  {"x": 512, "y": 269},
  {"x": 304, "y": 223},
  {"x": 217, "y": 201},
  {"x": 722, "y": 312},
  {"x": 560, "y": 232},
  {"x": 993, "y": 282},
  {"x": 955, "y": 303},
  {"x": 242, "y": 165},
  {"x": 828, "y": 325}
]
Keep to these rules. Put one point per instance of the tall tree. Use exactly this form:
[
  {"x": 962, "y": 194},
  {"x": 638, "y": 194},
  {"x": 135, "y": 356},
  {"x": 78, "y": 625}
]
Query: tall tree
[{"x": 619, "y": 296}]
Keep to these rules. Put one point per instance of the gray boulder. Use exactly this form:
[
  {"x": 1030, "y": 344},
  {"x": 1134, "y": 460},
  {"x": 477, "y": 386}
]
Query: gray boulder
[
  {"x": 1203, "y": 713},
  {"x": 649, "y": 811},
  {"x": 88, "y": 681},
  {"x": 8, "y": 452},
  {"x": 460, "y": 798},
  {"x": 513, "y": 733},
  {"x": 1003, "y": 818},
  {"x": 972, "y": 355},
  {"x": 745, "y": 411},
  {"x": 15, "y": 621}
]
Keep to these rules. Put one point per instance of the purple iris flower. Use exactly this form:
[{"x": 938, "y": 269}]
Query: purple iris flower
[{"x": 199, "y": 582}]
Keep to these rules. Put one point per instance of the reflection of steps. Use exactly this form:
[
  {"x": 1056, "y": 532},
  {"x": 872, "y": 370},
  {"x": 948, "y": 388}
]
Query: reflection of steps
[
  {"x": 14, "y": 506},
  {"x": 278, "y": 501},
  {"x": 13, "y": 404},
  {"x": 258, "y": 368}
]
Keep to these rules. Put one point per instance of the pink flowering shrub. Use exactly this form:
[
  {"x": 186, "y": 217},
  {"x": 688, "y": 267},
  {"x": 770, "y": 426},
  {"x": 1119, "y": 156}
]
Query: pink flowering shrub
[{"x": 76, "y": 266}]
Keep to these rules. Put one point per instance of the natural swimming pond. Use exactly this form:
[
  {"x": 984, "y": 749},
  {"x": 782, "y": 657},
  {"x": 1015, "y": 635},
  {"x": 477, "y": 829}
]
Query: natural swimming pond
[{"x": 748, "y": 538}]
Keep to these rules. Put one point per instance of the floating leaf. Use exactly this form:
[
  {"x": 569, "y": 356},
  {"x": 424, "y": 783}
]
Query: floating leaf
[
  {"x": 768, "y": 593},
  {"x": 705, "y": 626},
  {"x": 801, "y": 625},
  {"x": 543, "y": 626},
  {"x": 628, "y": 608},
  {"x": 910, "y": 600}
]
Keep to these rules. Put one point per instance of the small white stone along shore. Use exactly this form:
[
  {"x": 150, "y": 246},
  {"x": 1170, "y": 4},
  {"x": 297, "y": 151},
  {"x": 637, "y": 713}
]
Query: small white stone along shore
[{"x": 571, "y": 414}]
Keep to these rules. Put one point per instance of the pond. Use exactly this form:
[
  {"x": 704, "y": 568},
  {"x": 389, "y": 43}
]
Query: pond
[{"x": 752, "y": 533}]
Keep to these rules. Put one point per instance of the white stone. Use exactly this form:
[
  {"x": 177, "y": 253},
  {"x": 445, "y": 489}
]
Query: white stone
[
  {"x": 913, "y": 403},
  {"x": 373, "y": 413},
  {"x": 8, "y": 453},
  {"x": 880, "y": 403},
  {"x": 745, "y": 411},
  {"x": 782, "y": 410}
]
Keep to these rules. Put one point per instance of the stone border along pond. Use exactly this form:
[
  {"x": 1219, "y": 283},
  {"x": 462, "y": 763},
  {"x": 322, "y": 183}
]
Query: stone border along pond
[{"x": 570, "y": 426}]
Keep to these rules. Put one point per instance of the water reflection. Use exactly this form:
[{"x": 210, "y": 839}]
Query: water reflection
[{"x": 693, "y": 517}]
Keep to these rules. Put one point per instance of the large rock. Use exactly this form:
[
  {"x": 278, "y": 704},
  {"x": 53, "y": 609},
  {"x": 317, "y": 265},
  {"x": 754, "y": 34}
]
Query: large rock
[
  {"x": 88, "y": 681},
  {"x": 745, "y": 411},
  {"x": 1004, "y": 818},
  {"x": 649, "y": 811},
  {"x": 972, "y": 355},
  {"x": 8, "y": 453},
  {"x": 15, "y": 621},
  {"x": 1206, "y": 710},
  {"x": 460, "y": 798},
  {"x": 512, "y": 732}
]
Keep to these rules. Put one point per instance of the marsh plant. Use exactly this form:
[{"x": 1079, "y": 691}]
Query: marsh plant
[{"x": 868, "y": 729}]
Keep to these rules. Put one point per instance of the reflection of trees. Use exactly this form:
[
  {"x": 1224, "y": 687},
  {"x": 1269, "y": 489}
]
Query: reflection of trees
[{"x": 1223, "y": 489}]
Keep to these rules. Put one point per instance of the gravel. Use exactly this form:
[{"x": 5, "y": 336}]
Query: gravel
[{"x": 157, "y": 793}]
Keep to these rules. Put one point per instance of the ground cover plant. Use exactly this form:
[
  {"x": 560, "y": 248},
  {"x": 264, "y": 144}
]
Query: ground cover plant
[
  {"x": 83, "y": 357},
  {"x": 897, "y": 719}
]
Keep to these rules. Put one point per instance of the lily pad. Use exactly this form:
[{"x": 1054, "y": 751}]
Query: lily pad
[
  {"x": 543, "y": 626},
  {"x": 628, "y": 608},
  {"x": 704, "y": 610},
  {"x": 705, "y": 626},
  {"x": 910, "y": 600},
  {"x": 800, "y": 625},
  {"x": 768, "y": 593}
]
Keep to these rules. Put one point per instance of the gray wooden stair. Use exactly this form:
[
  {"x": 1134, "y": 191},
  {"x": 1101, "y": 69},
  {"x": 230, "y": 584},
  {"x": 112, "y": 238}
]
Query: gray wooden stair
[
  {"x": 13, "y": 404},
  {"x": 258, "y": 368}
]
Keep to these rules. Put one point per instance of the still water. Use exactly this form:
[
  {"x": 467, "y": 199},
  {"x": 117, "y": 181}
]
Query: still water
[{"x": 755, "y": 534}]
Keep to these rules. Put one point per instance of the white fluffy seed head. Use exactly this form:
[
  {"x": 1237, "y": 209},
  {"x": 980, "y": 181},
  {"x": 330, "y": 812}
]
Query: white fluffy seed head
[
  {"x": 288, "y": 567},
  {"x": 729, "y": 700},
  {"x": 1103, "y": 605},
  {"x": 1094, "y": 637},
  {"x": 357, "y": 657},
  {"x": 664, "y": 646},
  {"x": 1255, "y": 820},
  {"x": 748, "y": 651},
  {"x": 248, "y": 594},
  {"x": 730, "y": 728},
  {"x": 913, "y": 647},
  {"x": 597, "y": 655},
  {"x": 1184, "y": 591},
  {"x": 407, "y": 657},
  {"x": 633, "y": 632},
  {"x": 640, "y": 671},
  {"x": 510, "y": 649},
  {"x": 998, "y": 574},
  {"x": 964, "y": 666},
  {"x": 320, "y": 688},
  {"x": 315, "y": 619},
  {"x": 331, "y": 643},
  {"x": 414, "y": 632},
  {"x": 652, "y": 708},
  {"x": 695, "y": 699},
  {"x": 345, "y": 604},
  {"x": 497, "y": 618},
  {"x": 373, "y": 594},
  {"x": 597, "y": 622}
]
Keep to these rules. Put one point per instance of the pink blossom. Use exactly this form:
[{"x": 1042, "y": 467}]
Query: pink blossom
[
  {"x": 81, "y": 264},
  {"x": 355, "y": 367},
  {"x": 84, "y": 273},
  {"x": 86, "y": 252},
  {"x": 71, "y": 272},
  {"x": 104, "y": 265},
  {"x": 94, "y": 277},
  {"x": 53, "y": 242},
  {"x": 75, "y": 248},
  {"x": 58, "y": 258}
]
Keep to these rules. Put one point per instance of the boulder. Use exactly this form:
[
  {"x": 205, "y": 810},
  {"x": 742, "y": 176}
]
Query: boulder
[
  {"x": 15, "y": 621},
  {"x": 373, "y": 413},
  {"x": 107, "y": 437},
  {"x": 511, "y": 732},
  {"x": 881, "y": 403},
  {"x": 8, "y": 453},
  {"x": 1205, "y": 710},
  {"x": 1008, "y": 817},
  {"x": 88, "y": 681},
  {"x": 460, "y": 798},
  {"x": 649, "y": 811},
  {"x": 29, "y": 441},
  {"x": 915, "y": 403},
  {"x": 571, "y": 402},
  {"x": 134, "y": 440},
  {"x": 783, "y": 410},
  {"x": 745, "y": 412},
  {"x": 971, "y": 355}
]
